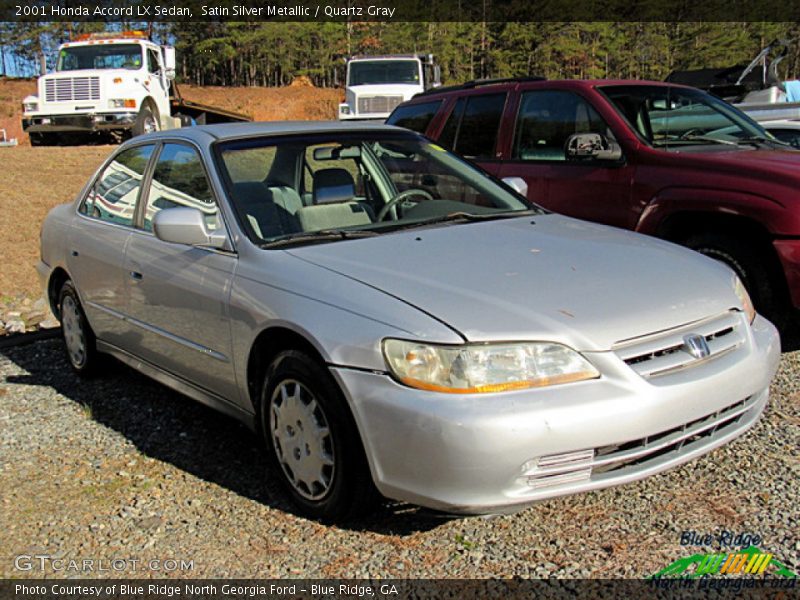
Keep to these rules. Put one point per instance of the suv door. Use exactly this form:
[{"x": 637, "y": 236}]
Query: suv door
[
  {"x": 178, "y": 294},
  {"x": 597, "y": 190},
  {"x": 99, "y": 237},
  {"x": 473, "y": 127}
]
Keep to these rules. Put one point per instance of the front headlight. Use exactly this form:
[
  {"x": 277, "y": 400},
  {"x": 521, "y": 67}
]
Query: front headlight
[
  {"x": 484, "y": 368},
  {"x": 30, "y": 106},
  {"x": 744, "y": 299}
]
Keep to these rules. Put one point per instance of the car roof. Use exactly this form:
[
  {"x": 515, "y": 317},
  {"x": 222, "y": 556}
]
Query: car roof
[
  {"x": 205, "y": 134},
  {"x": 532, "y": 82}
]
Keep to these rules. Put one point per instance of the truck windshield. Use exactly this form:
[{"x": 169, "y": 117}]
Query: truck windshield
[
  {"x": 100, "y": 56},
  {"x": 667, "y": 116},
  {"x": 365, "y": 72}
]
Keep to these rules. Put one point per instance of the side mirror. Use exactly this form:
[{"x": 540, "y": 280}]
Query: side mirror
[
  {"x": 582, "y": 146},
  {"x": 186, "y": 225},
  {"x": 169, "y": 62},
  {"x": 517, "y": 184}
]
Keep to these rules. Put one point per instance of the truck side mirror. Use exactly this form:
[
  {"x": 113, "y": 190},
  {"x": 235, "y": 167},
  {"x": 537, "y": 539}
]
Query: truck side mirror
[
  {"x": 169, "y": 62},
  {"x": 437, "y": 76},
  {"x": 591, "y": 146}
]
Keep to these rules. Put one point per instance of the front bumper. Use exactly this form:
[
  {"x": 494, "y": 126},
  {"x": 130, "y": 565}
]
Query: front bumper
[
  {"x": 498, "y": 453},
  {"x": 81, "y": 123}
]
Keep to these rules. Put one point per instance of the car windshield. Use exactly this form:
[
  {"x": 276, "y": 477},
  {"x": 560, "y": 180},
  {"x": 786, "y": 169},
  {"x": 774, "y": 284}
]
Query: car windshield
[
  {"x": 100, "y": 56},
  {"x": 383, "y": 71},
  {"x": 674, "y": 117},
  {"x": 334, "y": 186}
]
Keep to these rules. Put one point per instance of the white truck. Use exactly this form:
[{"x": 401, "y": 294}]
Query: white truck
[
  {"x": 375, "y": 85},
  {"x": 112, "y": 83}
]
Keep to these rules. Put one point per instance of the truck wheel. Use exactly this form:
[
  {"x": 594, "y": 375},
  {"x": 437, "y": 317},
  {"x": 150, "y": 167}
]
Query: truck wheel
[
  {"x": 312, "y": 443},
  {"x": 752, "y": 266},
  {"x": 146, "y": 121}
]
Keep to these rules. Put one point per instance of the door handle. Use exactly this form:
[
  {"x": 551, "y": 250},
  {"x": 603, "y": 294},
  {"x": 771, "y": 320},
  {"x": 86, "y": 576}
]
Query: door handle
[
  {"x": 136, "y": 275},
  {"x": 75, "y": 253}
]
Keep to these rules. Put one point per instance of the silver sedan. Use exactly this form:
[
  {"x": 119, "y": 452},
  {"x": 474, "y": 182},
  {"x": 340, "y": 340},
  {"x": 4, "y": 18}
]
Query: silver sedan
[{"x": 396, "y": 322}]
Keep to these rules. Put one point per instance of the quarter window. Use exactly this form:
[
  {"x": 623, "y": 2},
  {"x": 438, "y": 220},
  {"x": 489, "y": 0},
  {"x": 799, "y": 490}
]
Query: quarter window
[
  {"x": 547, "y": 118},
  {"x": 180, "y": 180},
  {"x": 415, "y": 117},
  {"x": 471, "y": 129},
  {"x": 113, "y": 196}
]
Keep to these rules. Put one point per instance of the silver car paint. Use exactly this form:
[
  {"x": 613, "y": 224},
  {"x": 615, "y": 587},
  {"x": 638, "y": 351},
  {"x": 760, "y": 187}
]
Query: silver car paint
[{"x": 587, "y": 286}]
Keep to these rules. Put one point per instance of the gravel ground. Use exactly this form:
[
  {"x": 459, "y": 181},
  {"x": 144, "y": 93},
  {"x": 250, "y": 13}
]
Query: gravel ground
[{"x": 123, "y": 468}]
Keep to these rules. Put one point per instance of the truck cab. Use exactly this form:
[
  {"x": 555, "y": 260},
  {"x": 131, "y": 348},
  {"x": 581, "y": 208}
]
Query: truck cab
[
  {"x": 114, "y": 83},
  {"x": 376, "y": 85}
]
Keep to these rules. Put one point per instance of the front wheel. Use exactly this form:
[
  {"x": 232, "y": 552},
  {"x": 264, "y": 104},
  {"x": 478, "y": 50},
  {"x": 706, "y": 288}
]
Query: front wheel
[
  {"x": 312, "y": 442},
  {"x": 79, "y": 339},
  {"x": 146, "y": 121},
  {"x": 753, "y": 267}
]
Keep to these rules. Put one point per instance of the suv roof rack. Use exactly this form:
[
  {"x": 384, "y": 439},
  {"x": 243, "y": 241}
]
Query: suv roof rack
[{"x": 478, "y": 83}]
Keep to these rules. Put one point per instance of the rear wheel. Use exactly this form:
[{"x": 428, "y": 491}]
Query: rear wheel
[
  {"x": 79, "y": 339},
  {"x": 755, "y": 269},
  {"x": 313, "y": 445}
]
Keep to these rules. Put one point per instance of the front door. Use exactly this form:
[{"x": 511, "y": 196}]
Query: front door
[
  {"x": 590, "y": 189},
  {"x": 178, "y": 294}
]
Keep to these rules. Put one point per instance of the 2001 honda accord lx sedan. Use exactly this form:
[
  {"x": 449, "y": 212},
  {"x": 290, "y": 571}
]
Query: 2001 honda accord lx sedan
[{"x": 391, "y": 317}]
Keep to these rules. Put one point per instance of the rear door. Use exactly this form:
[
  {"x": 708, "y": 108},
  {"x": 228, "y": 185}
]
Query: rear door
[
  {"x": 472, "y": 128},
  {"x": 178, "y": 294},
  {"x": 99, "y": 238},
  {"x": 590, "y": 189}
]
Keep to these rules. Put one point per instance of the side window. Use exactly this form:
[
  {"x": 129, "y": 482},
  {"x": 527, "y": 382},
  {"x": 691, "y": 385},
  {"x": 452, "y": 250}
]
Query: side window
[
  {"x": 416, "y": 117},
  {"x": 152, "y": 62},
  {"x": 475, "y": 136},
  {"x": 180, "y": 180},
  {"x": 113, "y": 197},
  {"x": 547, "y": 118}
]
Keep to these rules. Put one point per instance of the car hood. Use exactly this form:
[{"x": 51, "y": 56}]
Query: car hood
[
  {"x": 775, "y": 166},
  {"x": 546, "y": 277}
]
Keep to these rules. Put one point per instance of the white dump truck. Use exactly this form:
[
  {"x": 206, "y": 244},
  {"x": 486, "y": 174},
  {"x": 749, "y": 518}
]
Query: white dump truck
[
  {"x": 118, "y": 83},
  {"x": 375, "y": 85}
]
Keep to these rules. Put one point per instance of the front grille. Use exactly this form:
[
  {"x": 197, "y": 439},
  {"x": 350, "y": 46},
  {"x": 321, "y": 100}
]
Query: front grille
[
  {"x": 70, "y": 89},
  {"x": 378, "y": 104},
  {"x": 584, "y": 465},
  {"x": 664, "y": 352}
]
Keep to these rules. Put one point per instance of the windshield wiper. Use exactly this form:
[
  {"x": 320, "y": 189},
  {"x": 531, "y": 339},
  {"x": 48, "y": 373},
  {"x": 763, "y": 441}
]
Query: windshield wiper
[
  {"x": 322, "y": 235},
  {"x": 756, "y": 139},
  {"x": 703, "y": 138},
  {"x": 465, "y": 217}
]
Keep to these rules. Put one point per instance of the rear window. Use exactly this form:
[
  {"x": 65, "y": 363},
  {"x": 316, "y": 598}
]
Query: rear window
[
  {"x": 471, "y": 130},
  {"x": 415, "y": 117}
]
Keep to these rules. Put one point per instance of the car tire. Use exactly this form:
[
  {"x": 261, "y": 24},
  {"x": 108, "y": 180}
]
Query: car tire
[
  {"x": 751, "y": 266},
  {"x": 313, "y": 446},
  {"x": 146, "y": 121},
  {"x": 79, "y": 339}
]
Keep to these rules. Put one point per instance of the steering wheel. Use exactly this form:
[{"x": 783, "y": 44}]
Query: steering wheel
[
  {"x": 691, "y": 133},
  {"x": 400, "y": 197}
]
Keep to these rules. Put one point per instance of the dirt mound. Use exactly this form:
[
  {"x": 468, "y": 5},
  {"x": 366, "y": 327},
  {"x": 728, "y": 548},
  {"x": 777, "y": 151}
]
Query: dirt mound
[
  {"x": 302, "y": 81},
  {"x": 12, "y": 92}
]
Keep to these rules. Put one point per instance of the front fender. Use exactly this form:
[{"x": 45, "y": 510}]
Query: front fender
[{"x": 772, "y": 215}]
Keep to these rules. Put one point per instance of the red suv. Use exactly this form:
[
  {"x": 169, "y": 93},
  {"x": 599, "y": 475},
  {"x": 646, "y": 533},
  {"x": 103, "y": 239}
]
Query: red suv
[{"x": 662, "y": 159}]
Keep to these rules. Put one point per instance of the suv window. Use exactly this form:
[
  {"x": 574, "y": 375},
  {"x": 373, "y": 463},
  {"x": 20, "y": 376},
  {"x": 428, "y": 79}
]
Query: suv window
[
  {"x": 471, "y": 129},
  {"x": 415, "y": 117},
  {"x": 547, "y": 118},
  {"x": 113, "y": 196},
  {"x": 180, "y": 180}
]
